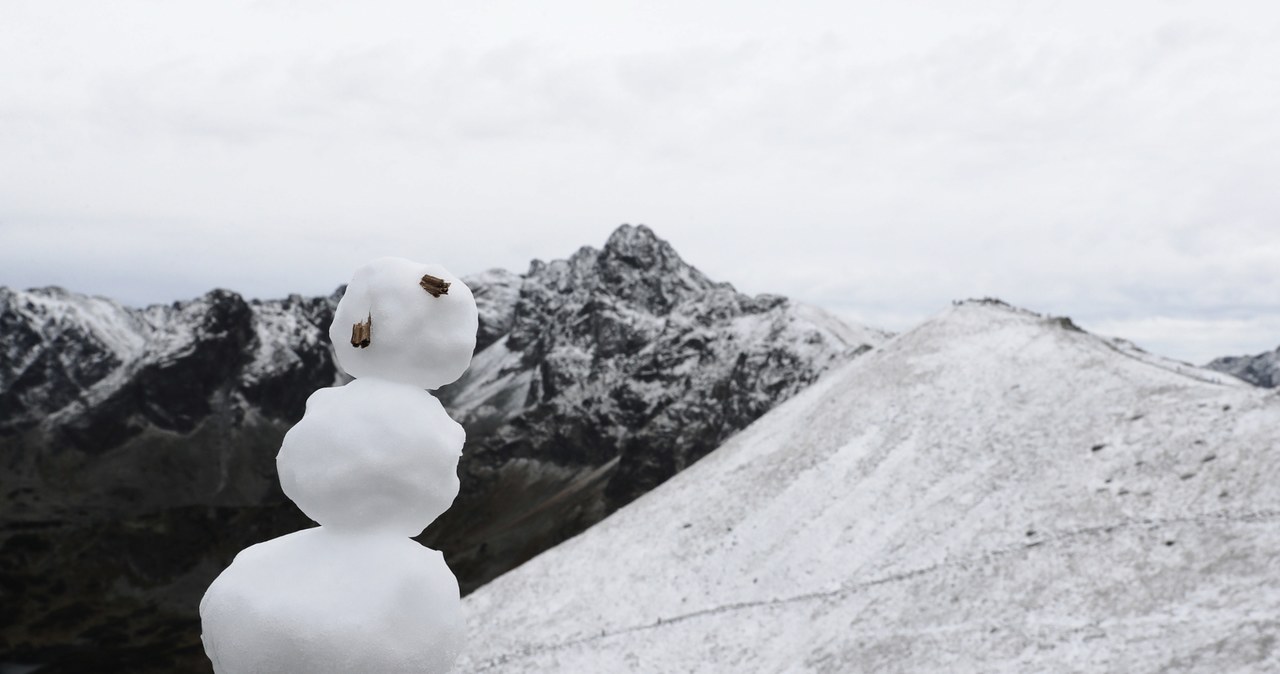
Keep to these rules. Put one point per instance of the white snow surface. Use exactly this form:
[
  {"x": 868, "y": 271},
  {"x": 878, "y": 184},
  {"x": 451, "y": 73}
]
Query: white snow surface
[
  {"x": 319, "y": 601},
  {"x": 417, "y": 339},
  {"x": 853, "y": 334},
  {"x": 992, "y": 491},
  {"x": 372, "y": 455}
]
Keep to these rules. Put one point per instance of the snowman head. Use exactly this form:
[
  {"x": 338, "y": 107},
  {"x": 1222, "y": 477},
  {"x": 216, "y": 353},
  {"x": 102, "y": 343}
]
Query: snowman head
[{"x": 405, "y": 322}]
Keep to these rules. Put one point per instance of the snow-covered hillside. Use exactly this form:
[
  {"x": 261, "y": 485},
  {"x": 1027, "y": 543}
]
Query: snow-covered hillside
[{"x": 992, "y": 491}]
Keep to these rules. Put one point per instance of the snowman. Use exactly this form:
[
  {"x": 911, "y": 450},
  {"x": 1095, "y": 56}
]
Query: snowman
[{"x": 373, "y": 462}]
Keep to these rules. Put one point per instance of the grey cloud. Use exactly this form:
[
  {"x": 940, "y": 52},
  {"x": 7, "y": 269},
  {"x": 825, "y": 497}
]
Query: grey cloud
[{"x": 881, "y": 165}]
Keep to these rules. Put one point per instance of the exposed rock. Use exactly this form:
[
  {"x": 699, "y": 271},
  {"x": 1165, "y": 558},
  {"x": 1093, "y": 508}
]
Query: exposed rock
[
  {"x": 1260, "y": 370},
  {"x": 621, "y": 367}
]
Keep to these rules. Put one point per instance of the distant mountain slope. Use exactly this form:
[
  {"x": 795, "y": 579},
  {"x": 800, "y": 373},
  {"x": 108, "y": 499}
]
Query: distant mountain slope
[
  {"x": 992, "y": 491},
  {"x": 137, "y": 446},
  {"x": 95, "y": 389},
  {"x": 1260, "y": 370}
]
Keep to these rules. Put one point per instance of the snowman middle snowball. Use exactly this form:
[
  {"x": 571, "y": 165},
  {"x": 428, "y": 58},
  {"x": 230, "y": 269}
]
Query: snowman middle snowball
[{"x": 372, "y": 455}]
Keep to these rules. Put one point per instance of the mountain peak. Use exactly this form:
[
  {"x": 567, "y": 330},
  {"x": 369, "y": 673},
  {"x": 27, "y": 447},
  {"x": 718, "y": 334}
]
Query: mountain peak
[
  {"x": 990, "y": 310},
  {"x": 640, "y": 248},
  {"x": 632, "y": 236},
  {"x": 992, "y": 304}
]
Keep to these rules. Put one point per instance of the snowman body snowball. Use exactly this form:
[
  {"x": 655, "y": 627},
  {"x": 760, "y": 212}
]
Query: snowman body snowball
[{"x": 373, "y": 462}]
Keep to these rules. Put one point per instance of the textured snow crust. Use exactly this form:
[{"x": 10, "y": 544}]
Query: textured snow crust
[
  {"x": 372, "y": 455},
  {"x": 417, "y": 339},
  {"x": 321, "y": 601},
  {"x": 993, "y": 491}
]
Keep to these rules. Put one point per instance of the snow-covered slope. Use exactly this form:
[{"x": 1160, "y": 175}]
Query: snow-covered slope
[{"x": 991, "y": 492}]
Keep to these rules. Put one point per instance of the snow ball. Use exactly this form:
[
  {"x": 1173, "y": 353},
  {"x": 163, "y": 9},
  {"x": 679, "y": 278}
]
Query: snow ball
[
  {"x": 326, "y": 602},
  {"x": 413, "y": 337},
  {"x": 372, "y": 455}
]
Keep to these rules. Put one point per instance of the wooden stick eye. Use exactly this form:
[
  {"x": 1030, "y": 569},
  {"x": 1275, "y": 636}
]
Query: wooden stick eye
[
  {"x": 362, "y": 333},
  {"x": 435, "y": 286}
]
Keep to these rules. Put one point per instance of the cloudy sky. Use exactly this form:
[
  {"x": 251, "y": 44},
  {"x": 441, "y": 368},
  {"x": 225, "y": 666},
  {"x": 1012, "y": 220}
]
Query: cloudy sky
[{"x": 1118, "y": 162}]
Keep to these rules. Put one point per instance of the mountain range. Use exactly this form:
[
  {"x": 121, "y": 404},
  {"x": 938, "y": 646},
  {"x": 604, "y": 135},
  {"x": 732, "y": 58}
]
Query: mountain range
[{"x": 138, "y": 445}]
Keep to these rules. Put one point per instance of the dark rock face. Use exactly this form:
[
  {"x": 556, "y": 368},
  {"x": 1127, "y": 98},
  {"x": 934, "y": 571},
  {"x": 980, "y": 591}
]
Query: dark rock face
[
  {"x": 621, "y": 367},
  {"x": 136, "y": 458},
  {"x": 1260, "y": 370},
  {"x": 137, "y": 446}
]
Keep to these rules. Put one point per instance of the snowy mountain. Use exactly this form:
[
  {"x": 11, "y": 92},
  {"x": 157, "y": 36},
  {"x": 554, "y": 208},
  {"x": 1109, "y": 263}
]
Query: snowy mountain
[
  {"x": 993, "y": 491},
  {"x": 610, "y": 372},
  {"x": 1260, "y": 370},
  {"x": 138, "y": 445}
]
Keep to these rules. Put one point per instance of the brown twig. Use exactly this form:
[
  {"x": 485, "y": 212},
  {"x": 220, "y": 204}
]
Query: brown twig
[
  {"x": 362, "y": 333},
  {"x": 435, "y": 286}
]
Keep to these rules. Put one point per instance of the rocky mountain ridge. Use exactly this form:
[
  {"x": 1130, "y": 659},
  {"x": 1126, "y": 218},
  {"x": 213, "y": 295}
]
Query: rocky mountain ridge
[
  {"x": 615, "y": 369},
  {"x": 1262, "y": 369},
  {"x": 139, "y": 444}
]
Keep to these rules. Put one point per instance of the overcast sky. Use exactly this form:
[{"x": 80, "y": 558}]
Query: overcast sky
[{"x": 1118, "y": 162}]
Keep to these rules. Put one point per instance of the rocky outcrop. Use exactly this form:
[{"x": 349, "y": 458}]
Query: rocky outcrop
[
  {"x": 1260, "y": 370},
  {"x": 617, "y": 368}
]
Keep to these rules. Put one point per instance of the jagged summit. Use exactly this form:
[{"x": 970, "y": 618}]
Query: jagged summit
[
  {"x": 618, "y": 367},
  {"x": 638, "y": 247},
  {"x": 990, "y": 491},
  {"x": 91, "y": 373},
  {"x": 634, "y": 267}
]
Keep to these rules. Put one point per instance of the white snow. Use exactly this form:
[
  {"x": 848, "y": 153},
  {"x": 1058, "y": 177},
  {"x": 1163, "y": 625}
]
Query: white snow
[
  {"x": 853, "y": 334},
  {"x": 990, "y": 492},
  {"x": 417, "y": 339},
  {"x": 320, "y": 601},
  {"x": 372, "y": 455}
]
